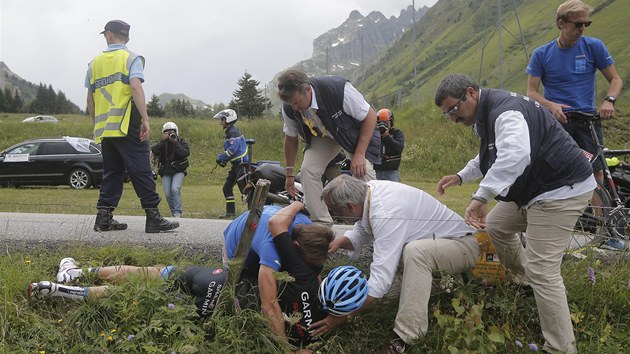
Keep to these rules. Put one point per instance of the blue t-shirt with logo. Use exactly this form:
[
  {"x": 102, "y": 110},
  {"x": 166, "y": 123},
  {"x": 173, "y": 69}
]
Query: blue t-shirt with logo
[
  {"x": 568, "y": 74},
  {"x": 263, "y": 251}
]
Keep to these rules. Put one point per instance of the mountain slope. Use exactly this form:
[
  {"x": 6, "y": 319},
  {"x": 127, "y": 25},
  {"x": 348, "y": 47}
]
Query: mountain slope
[{"x": 451, "y": 38}]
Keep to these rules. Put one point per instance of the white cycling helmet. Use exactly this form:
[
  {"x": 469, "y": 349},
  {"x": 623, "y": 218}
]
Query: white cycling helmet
[
  {"x": 228, "y": 114},
  {"x": 170, "y": 126}
]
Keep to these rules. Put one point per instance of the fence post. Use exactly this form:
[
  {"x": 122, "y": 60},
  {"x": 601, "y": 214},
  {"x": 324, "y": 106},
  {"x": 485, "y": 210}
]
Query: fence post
[{"x": 244, "y": 244}]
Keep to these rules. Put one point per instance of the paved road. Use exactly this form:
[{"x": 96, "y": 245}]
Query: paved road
[{"x": 24, "y": 230}]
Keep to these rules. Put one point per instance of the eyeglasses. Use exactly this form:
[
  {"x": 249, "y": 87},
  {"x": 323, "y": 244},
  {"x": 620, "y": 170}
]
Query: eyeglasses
[
  {"x": 455, "y": 108},
  {"x": 579, "y": 24},
  {"x": 290, "y": 86}
]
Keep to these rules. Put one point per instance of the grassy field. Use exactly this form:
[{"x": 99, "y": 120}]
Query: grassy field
[{"x": 145, "y": 317}]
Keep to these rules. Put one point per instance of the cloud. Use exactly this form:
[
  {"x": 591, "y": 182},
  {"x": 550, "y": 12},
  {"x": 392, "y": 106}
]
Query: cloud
[{"x": 200, "y": 48}]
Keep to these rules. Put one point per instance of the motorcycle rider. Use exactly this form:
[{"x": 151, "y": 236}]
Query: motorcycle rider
[
  {"x": 392, "y": 145},
  {"x": 235, "y": 151}
]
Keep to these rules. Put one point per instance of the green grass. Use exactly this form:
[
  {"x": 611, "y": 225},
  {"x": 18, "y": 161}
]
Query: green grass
[
  {"x": 472, "y": 319},
  {"x": 467, "y": 318}
]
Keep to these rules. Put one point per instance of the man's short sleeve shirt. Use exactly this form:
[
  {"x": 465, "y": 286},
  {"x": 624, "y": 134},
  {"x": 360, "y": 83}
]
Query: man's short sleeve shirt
[
  {"x": 262, "y": 244},
  {"x": 568, "y": 74}
]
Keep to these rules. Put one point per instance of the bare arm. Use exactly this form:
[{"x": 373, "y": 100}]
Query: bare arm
[
  {"x": 607, "y": 109},
  {"x": 138, "y": 98},
  {"x": 269, "y": 300},
  {"x": 533, "y": 84},
  {"x": 340, "y": 242},
  {"x": 365, "y": 135},
  {"x": 280, "y": 221},
  {"x": 90, "y": 104},
  {"x": 290, "y": 155}
]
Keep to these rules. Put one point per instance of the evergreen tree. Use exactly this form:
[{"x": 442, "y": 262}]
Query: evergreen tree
[
  {"x": 3, "y": 102},
  {"x": 153, "y": 107},
  {"x": 17, "y": 103},
  {"x": 248, "y": 100},
  {"x": 8, "y": 99}
]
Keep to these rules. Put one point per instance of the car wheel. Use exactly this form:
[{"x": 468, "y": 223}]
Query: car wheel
[{"x": 79, "y": 179}]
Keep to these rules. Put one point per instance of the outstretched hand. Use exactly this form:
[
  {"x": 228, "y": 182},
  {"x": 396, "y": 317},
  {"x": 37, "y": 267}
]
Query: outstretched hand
[
  {"x": 475, "y": 215},
  {"x": 448, "y": 181},
  {"x": 326, "y": 325}
]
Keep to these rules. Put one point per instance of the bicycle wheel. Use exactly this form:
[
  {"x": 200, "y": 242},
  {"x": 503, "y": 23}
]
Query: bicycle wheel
[{"x": 590, "y": 229}]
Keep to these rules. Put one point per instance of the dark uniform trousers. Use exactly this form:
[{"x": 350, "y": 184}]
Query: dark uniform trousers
[{"x": 133, "y": 155}]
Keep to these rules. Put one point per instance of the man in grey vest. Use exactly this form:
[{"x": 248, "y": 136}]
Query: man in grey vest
[
  {"x": 542, "y": 182},
  {"x": 330, "y": 115}
]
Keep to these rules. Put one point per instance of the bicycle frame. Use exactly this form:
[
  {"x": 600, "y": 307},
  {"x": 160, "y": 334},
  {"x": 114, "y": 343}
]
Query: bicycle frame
[{"x": 617, "y": 216}]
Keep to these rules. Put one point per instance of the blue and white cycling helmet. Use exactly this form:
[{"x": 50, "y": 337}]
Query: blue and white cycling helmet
[{"x": 343, "y": 290}]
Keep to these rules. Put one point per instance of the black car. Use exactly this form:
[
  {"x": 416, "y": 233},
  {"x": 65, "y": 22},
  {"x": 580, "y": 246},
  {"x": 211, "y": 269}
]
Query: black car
[{"x": 77, "y": 162}]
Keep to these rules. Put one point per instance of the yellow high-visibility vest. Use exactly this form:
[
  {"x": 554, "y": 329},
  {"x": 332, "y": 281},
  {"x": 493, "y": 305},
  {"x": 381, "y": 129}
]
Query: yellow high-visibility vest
[{"x": 112, "y": 93}]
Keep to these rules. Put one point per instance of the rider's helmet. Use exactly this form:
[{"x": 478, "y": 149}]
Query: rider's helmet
[
  {"x": 343, "y": 290},
  {"x": 170, "y": 126},
  {"x": 385, "y": 115},
  {"x": 228, "y": 114}
]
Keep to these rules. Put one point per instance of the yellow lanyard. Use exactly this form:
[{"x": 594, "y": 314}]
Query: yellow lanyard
[
  {"x": 369, "y": 196},
  {"x": 311, "y": 126}
]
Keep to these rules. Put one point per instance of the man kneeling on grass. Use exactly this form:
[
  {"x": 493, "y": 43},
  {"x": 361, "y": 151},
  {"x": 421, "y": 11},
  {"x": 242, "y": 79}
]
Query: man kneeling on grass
[
  {"x": 405, "y": 223},
  {"x": 206, "y": 283}
]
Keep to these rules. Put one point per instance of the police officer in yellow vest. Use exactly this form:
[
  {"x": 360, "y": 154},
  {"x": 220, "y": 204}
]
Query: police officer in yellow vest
[{"x": 116, "y": 103}]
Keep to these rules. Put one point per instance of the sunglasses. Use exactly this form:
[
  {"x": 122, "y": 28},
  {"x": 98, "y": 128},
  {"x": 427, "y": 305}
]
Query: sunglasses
[
  {"x": 290, "y": 86},
  {"x": 580, "y": 24},
  {"x": 453, "y": 110}
]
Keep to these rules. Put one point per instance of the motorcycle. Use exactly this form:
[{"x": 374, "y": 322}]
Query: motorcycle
[{"x": 276, "y": 175}]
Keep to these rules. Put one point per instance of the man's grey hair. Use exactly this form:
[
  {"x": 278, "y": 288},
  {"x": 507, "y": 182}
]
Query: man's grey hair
[
  {"x": 453, "y": 85},
  {"x": 344, "y": 190}
]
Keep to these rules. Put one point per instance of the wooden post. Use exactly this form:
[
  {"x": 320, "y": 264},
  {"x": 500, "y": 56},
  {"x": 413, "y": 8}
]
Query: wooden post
[{"x": 244, "y": 244}]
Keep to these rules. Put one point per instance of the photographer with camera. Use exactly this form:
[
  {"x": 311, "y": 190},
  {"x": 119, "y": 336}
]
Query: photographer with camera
[
  {"x": 171, "y": 154},
  {"x": 392, "y": 145},
  {"x": 235, "y": 151}
]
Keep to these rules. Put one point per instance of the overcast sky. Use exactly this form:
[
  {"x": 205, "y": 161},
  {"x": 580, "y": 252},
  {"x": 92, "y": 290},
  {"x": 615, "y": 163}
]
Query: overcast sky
[{"x": 199, "y": 48}]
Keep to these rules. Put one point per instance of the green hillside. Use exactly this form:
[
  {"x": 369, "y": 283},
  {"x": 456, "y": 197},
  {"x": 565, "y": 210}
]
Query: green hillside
[{"x": 451, "y": 37}]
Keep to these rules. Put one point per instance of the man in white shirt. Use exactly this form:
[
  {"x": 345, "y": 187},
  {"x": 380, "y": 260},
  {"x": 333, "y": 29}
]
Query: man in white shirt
[
  {"x": 329, "y": 114},
  {"x": 543, "y": 183},
  {"x": 405, "y": 223}
]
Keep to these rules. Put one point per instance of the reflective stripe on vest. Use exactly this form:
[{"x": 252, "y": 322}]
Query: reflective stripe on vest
[{"x": 112, "y": 93}]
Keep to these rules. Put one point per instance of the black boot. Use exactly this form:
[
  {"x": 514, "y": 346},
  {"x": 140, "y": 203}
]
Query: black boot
[
  {"x": 230, "y": 210},
  {"x": 105, "y": 221},
  {"x": 156, "y": 223}
]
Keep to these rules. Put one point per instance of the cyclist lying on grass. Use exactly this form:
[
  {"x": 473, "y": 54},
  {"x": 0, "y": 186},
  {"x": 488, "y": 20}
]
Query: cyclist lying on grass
[{"x": 205, "y": 283}]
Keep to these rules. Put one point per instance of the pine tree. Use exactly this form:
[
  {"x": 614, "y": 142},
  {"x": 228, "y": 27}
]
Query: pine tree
[
  {"x": 17, "y": 103},
  {"x": 8, "y": 99},
  {"x": 248, "y": 100},
  {"x": 3, "y": 102},
  {"x": 153, "y": 107}
]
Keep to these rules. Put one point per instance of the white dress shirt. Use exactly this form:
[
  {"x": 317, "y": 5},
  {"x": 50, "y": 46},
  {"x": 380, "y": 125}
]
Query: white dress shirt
[{"x": 393, "y": 215}]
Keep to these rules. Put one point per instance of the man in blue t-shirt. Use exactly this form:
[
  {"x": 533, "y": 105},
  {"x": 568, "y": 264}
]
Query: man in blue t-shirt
[
  {"x": 566, "y": 67},
  {"x": 263, "y": 251}
]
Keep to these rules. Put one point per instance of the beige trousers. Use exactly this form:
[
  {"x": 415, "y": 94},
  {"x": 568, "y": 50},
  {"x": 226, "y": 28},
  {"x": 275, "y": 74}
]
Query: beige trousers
[
  {"x": 319, "y": 153},
  {"x": 420, "y": 259},
  {"x": 548, "y": 224}
]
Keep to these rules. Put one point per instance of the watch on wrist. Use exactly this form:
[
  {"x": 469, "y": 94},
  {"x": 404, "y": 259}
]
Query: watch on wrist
[
  {"x": 611, "y": 99},
  {"x": 479, "y": 198}
]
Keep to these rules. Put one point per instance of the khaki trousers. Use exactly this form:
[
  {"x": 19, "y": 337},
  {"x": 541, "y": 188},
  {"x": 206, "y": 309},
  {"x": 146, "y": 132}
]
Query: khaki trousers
[
  {"x": 420, "y": 259},
  {"x": 548, "y": 224},
  {"x": 319, "y": 153}
]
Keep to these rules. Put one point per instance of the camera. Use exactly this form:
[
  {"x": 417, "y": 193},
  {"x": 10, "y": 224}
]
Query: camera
[
  {"x": 382, "y": 127},
  {"x": 172, "y": 137}
]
